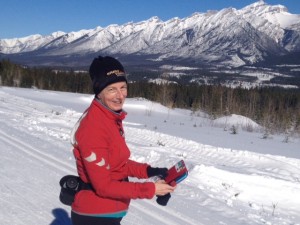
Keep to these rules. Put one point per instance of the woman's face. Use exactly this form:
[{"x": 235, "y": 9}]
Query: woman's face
[{"x": 113, "y": 96}]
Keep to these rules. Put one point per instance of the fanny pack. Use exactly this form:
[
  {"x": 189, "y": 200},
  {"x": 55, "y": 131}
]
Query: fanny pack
[{"x": 70, "y": 186}]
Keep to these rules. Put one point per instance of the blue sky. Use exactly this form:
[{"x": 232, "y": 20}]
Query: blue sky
[{"x": 20, "y": 18}]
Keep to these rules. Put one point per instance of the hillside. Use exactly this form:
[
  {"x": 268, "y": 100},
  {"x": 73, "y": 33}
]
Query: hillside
[{"x": 233, "y": 179}]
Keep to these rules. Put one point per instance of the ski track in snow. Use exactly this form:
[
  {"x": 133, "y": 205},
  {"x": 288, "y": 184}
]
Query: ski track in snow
[
  {"x": 18, "y": 145},
  {"x": 225, "y": 186},
  {"x": 30, "y": 151},
  {"x": 214, "y": 170},
  {"x": 164, "y": 214},
  {"x": 30, "y": 112},
  {"x": 35, "y": 153}
]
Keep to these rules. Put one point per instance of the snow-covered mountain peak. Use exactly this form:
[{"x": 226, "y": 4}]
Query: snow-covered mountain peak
[
  {"x": 229, "y": 36},
  {"x": 13, "y": 41},
  {"x": 259, "y": 3},
  {"x": 58, "y": 34},
  {"x": 174, "y": 19},
  {"x": 155, "y": 19},
  {"x": 98, "y": 28},
  {"x": 261, "y": 7},
  {"x": 274, "y": 14}
]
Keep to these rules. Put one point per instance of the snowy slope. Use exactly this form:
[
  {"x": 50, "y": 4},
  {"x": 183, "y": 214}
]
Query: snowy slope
[{"x": 234, "y": 179}]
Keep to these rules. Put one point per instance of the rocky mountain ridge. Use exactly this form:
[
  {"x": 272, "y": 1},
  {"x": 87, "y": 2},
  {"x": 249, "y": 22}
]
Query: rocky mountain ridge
[{"x": 229, "y": 38}]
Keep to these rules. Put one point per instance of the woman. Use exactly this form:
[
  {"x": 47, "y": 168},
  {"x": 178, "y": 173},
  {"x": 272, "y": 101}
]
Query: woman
[{"x": 102, "y": 156}]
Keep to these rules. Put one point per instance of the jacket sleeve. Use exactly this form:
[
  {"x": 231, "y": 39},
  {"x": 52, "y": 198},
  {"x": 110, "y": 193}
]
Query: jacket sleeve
[{"x": 136, "y": 169}]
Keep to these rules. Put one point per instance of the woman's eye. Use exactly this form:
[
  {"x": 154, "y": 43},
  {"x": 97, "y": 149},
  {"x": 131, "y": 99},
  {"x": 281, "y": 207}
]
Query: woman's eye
[{"x": 111, "y": 90}]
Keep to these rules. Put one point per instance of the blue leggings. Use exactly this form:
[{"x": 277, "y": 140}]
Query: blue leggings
[{"x": 91, "y": 220}]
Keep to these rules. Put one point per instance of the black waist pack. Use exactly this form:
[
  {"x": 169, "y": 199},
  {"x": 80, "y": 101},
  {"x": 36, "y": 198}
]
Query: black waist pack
[{"x": 70, "y": 185}]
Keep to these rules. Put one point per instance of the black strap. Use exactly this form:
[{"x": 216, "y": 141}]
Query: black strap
[
  {"x": 78, "y": 184},
  {"x": 86, "y": 186}
]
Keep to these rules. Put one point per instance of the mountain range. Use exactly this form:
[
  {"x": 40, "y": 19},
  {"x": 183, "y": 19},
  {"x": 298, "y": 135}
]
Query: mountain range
[{"x": 226, "y": 38}]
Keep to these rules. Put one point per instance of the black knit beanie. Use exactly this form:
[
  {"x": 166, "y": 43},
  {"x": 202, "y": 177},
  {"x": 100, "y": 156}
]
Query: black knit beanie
[{"x": 105, "y": 71}]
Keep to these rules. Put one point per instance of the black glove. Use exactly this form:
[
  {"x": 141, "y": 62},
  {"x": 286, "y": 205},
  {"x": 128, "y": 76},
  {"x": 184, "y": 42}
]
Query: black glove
[
  {"x": 161, "y": 172},
  {"x": 163, "y": 200}
]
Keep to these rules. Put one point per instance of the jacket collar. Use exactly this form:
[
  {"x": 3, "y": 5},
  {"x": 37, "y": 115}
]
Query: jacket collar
[{"x": 110, "y": 113}]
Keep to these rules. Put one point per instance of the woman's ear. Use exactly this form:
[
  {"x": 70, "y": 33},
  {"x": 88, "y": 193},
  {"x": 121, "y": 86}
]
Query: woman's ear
[{"x": 99, "y": 96}]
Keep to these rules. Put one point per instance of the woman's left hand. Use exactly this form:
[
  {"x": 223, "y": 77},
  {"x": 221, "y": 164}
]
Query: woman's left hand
[{"x": 162, "y": 188}]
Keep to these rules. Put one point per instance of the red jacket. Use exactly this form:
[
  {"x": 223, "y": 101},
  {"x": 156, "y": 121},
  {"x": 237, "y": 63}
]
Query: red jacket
[{"x": 102, "y": 159}]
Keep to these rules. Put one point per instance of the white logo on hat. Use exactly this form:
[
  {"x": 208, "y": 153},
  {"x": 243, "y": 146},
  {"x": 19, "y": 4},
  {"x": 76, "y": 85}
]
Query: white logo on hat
[{"x": 116, "y": 72}]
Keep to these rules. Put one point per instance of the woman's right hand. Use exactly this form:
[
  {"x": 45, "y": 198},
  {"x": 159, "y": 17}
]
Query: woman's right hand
[{"x": 162, "y": 188}]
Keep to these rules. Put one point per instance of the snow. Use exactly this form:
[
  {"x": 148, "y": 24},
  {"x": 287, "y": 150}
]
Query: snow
[
  {"x": 237, "y": 120},
  {"x": 176, "y": 68},
  {"x": 233, "y": 179}
]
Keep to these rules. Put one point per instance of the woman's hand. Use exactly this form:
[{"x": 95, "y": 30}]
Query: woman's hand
[{"x": 162, "y": 188}]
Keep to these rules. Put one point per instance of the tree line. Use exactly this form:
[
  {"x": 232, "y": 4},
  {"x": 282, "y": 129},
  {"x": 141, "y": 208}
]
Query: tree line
[
  {"x": 43, "y": 78},
  {"x": 276, "y": 109}
]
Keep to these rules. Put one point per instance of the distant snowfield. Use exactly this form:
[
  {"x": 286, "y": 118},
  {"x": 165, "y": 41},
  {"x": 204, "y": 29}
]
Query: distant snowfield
[{"x": 233, "y": 179}]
